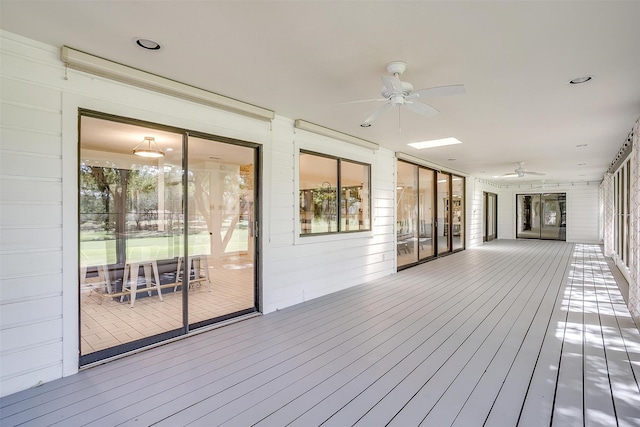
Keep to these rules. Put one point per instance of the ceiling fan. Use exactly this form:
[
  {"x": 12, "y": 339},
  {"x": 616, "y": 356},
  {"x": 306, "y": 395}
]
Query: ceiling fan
[
  {"x": 520, "y": 172},
  {"x": 401, "y": 94}
]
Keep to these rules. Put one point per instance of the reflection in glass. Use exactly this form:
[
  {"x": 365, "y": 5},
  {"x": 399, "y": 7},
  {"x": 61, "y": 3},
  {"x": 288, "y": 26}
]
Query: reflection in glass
[
  {"x": 318, "y": 194},
  {"x": 320, "y": 177},
  {"x": 407, "y": 214},
  {"x": 541, "y": 216},
  {"x": 457, "y": 212},
  {"x": 130, "y": 232},
  {"x": 138, "y": 283},
  {"x": 444, "y": 214},
  {"x": 221, "y": 263},
  {"x": 354, "y": 197},
  {"x": 425, "y": 213}
]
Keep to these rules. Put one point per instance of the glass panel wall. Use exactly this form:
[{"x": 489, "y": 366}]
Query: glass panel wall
[
  {"x": 221, "y": 208},
  {"x": 622, "y": 212},
  {"x": 161, "y": 251},
  {"x": 457, "y": 212},
  {"x": 444, "y": 213},
  {"x": 407, "y": 214},
  {"x": 554, "y": 217},
  {"x": 426, "y": 241},
  {"x": 541, "y": 216},
  {"x": 430, "y": 213}
]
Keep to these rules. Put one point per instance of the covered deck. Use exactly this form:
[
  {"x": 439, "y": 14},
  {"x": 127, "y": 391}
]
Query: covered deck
[{"x": 516, "y": 332}]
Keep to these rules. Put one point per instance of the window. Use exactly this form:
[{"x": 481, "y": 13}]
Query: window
[{"x": 324, "y": 209}]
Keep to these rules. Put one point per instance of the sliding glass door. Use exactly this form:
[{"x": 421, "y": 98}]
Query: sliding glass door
[
  {"x": 426, "y": 241},
  {"x": 430, "y": 213},
  {"x": 407, "y": 225},
  {"x": 490, "y": 216},
  {"x": 166, "y": 233},
  {"x": 444, "y": 213},
  {"x": 541, "y": 216}
]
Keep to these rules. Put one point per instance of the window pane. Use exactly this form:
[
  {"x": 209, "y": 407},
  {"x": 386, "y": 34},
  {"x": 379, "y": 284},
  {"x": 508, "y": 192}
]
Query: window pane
[
  {"x": 318, "y": 194},
  {"x": 354, "y": 201}
]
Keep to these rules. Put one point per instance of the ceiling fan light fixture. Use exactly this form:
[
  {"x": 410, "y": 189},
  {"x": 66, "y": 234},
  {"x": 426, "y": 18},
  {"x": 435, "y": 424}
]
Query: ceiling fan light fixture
[
  {"x": 145, "y": 148},
  {"x": 435, "y": 143}
]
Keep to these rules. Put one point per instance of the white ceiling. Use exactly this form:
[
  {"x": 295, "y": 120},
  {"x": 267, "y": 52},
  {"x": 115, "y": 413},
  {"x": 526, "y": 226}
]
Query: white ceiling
[{"x": 301, "y": 58}]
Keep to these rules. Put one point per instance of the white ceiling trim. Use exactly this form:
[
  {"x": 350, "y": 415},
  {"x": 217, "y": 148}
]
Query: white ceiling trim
[{"x": 103, "y": 67}]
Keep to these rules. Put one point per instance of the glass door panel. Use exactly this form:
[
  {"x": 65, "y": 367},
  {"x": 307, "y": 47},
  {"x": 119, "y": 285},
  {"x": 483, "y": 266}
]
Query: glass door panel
[
  {"x": 426, "y": 243},
  {"x": 444, "y": 213},
  {"x": 457, "y": 212},
  {"x": 130, "y": 236},
  {"x": 553, "y": 220},
  {"x": 541, "y": 216},
  {"x": 407, "y": 214},
  {"x": 221, "y": 208},
  {"x": 491, "y": 222},
  {"x": 528, "y": 216}
]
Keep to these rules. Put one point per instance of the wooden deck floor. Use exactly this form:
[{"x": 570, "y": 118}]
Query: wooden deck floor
[{"x": 528, "y": 333}]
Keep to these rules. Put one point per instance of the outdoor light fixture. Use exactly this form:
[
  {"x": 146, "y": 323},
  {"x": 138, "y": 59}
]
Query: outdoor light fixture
[{"x": 145, "y": 148}]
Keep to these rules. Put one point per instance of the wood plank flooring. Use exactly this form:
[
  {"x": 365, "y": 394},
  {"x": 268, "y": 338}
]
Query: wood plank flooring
[{"x": 516, "y": 332}]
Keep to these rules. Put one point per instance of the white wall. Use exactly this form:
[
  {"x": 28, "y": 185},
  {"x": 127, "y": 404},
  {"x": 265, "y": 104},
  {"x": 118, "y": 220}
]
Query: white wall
[
  {"x": 38, "y": 205},
  {"x": 300, "y": 268},
  {"x": 475, "y": 208},
  {"x": 583, "y": 212}
]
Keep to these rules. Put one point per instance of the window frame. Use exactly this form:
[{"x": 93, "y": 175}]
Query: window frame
[{"x": 338, "y": 203}]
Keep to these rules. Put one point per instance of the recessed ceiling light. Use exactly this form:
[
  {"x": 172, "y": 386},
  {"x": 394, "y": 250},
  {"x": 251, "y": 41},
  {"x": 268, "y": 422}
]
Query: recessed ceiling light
[
  {"x": 582, "y": 164},
  {"x": 452, "y": 160},
  {"x": 579, "y": 80},
  {"x": 581, "y": 145},
  {"x": 435, "y": 143},
  {"x": 148, "y": 44},
  {"x": 366, "y": 125}
]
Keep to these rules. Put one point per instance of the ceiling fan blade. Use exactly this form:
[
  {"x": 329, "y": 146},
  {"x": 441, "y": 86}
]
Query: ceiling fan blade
[
  {"x": 392, "y": 84},
  {"x": 533, "y": 173},
  {"x": 377, "y": 113},
  {"x": 439, "y": 91},
  {"x": 420, "y": 108},
  {"x": 360, "y": 101},
  {"x": 510, "y": 175}
]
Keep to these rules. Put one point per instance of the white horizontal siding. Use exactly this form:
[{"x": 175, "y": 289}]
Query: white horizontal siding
[
  {"x": 583, "y": 212},
  {"x": 300, "y": 268},
  {"x": 38, "y": 205},
  {"x": 30, "y": 232},
  {"x": 475, "y": 208}
]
